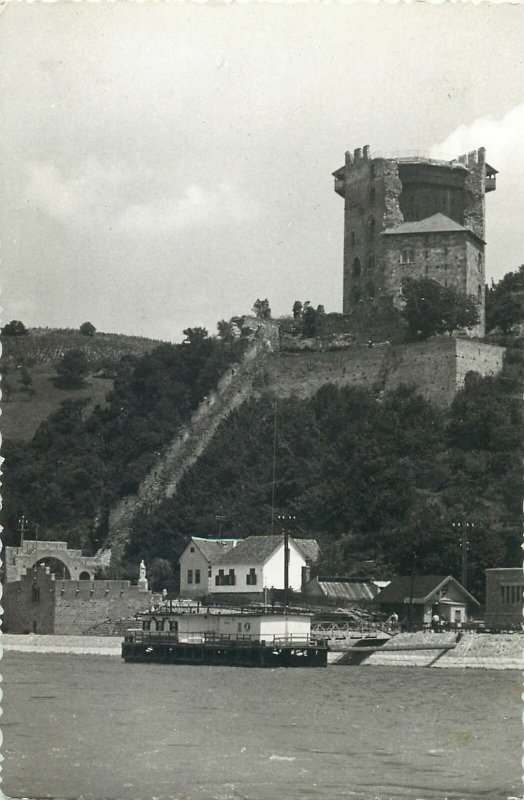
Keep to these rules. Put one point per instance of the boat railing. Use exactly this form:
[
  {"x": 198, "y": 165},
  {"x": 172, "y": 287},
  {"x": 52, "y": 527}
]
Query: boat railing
[{"x": 224, "y": 639}]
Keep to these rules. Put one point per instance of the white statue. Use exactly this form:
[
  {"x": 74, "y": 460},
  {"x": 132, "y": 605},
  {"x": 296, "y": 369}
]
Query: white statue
[{"x": 142, "y": 580}]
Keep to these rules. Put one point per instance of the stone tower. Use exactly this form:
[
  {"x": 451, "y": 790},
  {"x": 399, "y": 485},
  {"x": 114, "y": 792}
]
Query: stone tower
[{"x": 416, "y": 217}]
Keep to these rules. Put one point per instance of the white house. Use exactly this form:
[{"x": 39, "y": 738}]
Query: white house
[
  {"x": 195, "y": 564},
  {"x": 257, "y": 563}
]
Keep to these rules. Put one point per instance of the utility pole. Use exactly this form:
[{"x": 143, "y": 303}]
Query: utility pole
[
  {"x": 286, "y": 518},
  {"x": 462, "y": 529},
  {"x": 22, "y": 527}
]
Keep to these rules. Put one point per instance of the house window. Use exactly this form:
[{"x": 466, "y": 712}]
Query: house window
[
  {"x": 251, "y": 577},
  {"x": 190, "y": 576},
  {"x": 146, "y": 624},
  {"x": 209, "y": 571},
  {"x": 191, "y": 549},
  {"x": 35, "y": 594},
  {"x": 407, "y": 256},
  {"x": 173, "y": 625},
  {"x": 159, "y": 624},
  {"x": 356, "y": 267},
  {"x": 197, "y": 576},
  {"x": 231, "y": 577},
  {"x": 219, "y": 579}
]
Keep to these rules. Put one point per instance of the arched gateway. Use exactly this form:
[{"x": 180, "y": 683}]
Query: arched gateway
[{"x": 78, "y": 567}]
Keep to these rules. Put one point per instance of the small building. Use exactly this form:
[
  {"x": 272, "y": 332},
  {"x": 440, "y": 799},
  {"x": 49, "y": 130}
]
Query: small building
[
  {"x": 256, "y": 564},
  {"x": 195, "y": 564},
  {"x": 504, "y": 595},
  {"x": 416, "y": 599},
  {"x": 343, "y": 591}
]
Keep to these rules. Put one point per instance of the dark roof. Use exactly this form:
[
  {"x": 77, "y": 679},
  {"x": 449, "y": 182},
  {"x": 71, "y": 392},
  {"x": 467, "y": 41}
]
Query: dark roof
[
  {"x": 252, "y": 550},
  {"x": 422, "y": 586},
  {"x": 309, "y": 548},
  {"x": 437, "y": 223},
  {"x": 257, "y": 549},
  {"x": 211, "y": 549}
]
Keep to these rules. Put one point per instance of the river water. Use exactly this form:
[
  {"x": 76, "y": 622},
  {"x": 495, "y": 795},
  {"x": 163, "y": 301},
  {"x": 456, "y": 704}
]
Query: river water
[{"x": 93, "y": 727}]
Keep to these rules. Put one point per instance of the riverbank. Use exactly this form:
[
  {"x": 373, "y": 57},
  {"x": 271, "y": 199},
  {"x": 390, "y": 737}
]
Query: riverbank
[
  {"x": 473, "y": 651},
  {"x": 75, "y": 645}
]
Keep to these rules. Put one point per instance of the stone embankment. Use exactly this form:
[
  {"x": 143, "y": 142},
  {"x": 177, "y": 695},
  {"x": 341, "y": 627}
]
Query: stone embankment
[{"x": 473, "y": 651}]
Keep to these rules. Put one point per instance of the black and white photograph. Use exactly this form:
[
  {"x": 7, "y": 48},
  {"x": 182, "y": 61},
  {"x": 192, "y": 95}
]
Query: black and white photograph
[{"x": 262, "y": 364}]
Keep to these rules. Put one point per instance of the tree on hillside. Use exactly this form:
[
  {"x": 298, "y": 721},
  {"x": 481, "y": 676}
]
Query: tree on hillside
[
  {"x": 87, "y": 329},
  {"x": 7, "y": 389},
  {"x": 27, "y": 382},
  {"x": 14, "y": 328},
  {"x": 297, "y": 309},
  {"x": 505, "y": 302},
  {"x": 431, "y": 308},
  {"x": 262, "y": 309},
  {"x": 194, "y": 335},
  {"x": 72, "y": 369}
]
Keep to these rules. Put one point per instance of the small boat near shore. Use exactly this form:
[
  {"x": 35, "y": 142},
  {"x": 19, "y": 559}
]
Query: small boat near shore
[{"x": 189, "y": 633}]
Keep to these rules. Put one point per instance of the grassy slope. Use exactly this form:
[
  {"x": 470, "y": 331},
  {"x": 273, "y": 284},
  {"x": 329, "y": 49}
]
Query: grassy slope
[
  {"x": 40, "y": 350},
  {"x": 21, "y": 416}
]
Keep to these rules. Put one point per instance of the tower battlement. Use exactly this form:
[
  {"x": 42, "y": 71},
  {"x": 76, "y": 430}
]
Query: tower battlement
[{"x": 412, "y": 215}]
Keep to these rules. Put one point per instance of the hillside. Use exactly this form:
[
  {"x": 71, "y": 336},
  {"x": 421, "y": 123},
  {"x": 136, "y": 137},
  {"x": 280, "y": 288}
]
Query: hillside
[{"x": 39, "y": 352}]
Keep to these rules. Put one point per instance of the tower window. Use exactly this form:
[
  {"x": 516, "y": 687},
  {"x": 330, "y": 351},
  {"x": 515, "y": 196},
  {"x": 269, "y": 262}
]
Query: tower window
[
  {"x": 371, "y": 228},
  {"x": 356, "y": 294},
  {"x": 372, "y": 195},
  {"x": 371, "y": 262},
  {"x": 353, "y": 237},
  {"x": 371, "y": 290},
  {"x": 356, "y": 267},
  {"x": 407, "y": 256}
]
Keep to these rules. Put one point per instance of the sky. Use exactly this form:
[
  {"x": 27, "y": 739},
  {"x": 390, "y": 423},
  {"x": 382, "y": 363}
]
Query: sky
[{"x": 165, "y": 165}]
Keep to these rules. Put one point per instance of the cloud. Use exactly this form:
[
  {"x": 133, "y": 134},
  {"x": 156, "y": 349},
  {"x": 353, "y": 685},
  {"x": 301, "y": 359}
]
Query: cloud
[
  {"x": 132, "y": 201},
  {"x": 501, "y": 138},
  {"x": 505, "y": 208},
  {"x": 198, "y": 207}
]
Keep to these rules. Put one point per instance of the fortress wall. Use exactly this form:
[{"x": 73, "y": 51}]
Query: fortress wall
[
  {"x": 486, "y": 359},
  {"x": 429, "y": 366},
  {"x": 22, "y": 614},
  {"x": 436, "y": 368},
  {"x": 67, "y": 607},
  {"x": 303, "y": 374},
  {"x": 76, "y": 615}
]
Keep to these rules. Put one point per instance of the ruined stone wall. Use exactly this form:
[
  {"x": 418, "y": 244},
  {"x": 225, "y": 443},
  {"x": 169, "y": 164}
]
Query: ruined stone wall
[
  {"x": 475, "y": 192},
  {"x": 436, "y": 368},
  {"x": 372, "y": 188}
]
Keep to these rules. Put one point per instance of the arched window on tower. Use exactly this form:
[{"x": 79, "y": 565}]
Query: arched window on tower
[
  {"x": 371, "y": 228},
  {"x": 356, "y": 267}
]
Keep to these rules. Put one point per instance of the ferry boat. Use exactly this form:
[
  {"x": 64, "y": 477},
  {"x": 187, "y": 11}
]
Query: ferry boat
[{"x": 178, "y": 632}]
